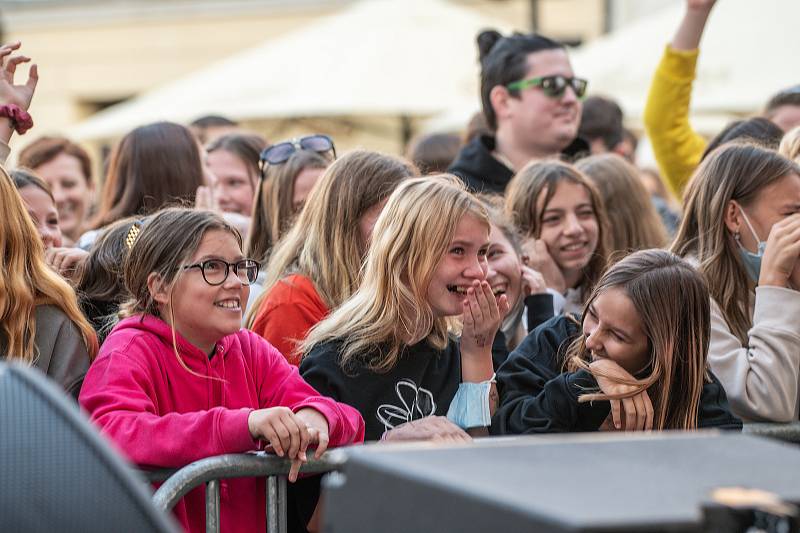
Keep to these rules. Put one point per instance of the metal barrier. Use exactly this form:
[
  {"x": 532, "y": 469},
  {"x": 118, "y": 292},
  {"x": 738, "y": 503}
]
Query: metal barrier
[
  {"x": 786, "y": 432},
  {"x": 212, "y": 469}
]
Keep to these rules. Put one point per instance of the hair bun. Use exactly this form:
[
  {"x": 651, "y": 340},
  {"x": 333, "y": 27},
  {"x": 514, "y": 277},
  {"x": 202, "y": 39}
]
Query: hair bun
[{"x": 486, "y": 41}]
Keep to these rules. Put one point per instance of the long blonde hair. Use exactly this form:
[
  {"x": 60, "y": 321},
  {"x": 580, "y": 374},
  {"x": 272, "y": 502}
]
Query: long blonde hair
[
  {"x": 633, "y": 223},
  {"x": 735, "y": 171},
  {"x": 390, "y": 309},
  {"x": 790, "y": 145},
  {"x": 542, "y": 178},
  {"x": 678, "y": 332},
  {"x": 27, "y": 282},
  {"x": 325, "y": 244}
]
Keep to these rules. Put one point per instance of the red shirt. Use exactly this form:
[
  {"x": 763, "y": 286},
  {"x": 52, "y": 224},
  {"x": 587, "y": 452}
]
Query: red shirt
[{"x": 288, "y": 311}]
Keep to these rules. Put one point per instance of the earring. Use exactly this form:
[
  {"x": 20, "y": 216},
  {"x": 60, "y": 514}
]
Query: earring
[{"x": 737, "y": 237}]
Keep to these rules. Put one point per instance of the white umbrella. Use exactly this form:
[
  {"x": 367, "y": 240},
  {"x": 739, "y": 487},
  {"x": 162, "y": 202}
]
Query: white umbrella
[{"x": 378, "y": 57}]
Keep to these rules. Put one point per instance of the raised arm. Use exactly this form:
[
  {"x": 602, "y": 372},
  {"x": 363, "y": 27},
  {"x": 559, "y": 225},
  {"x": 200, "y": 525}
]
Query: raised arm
[
  {"x": 14, "y": 95},
  {"x": 676, "y": 146}
]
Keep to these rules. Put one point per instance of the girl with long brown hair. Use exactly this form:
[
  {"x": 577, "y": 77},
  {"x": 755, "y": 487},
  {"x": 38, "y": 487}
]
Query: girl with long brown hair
[
  {"x": 152, "y": 166},
  {"x": 41, "y": 324},
  {"x": 741, "y": 226},
  {"x": 317, "y": 264},
  {"x": 633, "y": 222},
  {"x": 562, "y": 218},
  {"x": 636, "y": 360}
]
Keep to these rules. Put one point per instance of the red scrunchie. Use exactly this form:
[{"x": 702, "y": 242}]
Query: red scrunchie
[{"x": 20, "y": 119}]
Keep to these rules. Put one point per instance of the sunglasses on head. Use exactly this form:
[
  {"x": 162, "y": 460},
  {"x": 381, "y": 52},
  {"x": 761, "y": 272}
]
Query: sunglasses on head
[
  {"x": 281, "y": 152},
  {"x": 552, "y": 86}
]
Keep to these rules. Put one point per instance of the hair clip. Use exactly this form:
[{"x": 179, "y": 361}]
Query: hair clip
[{"x": 133, "y": 233}]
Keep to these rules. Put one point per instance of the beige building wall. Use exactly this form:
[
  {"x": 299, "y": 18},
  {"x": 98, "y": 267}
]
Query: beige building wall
[{"x": 92, "y": 54}]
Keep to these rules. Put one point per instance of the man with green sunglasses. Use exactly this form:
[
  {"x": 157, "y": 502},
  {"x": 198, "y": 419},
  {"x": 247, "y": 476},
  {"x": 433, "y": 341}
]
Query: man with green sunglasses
[{"x": 532, "y": 105}]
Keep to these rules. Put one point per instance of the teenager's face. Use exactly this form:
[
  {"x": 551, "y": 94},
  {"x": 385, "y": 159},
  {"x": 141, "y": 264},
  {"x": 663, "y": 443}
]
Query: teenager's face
[
  {"x": 505, "y": 269},
  {"x": 204, "y": 313},
  {"x": 613, "y": 330},
  {"x": 772, "y": 204},
  {"x": 463, "y": 262},
  {"x": 303, "y": 184},
  {"x": 234, "y": 187},
  {"x": 71, "y": 191},
  {"x": 542, "y": 123},
  {"x": 44, "y": 215},
  {"x": 569, "y": 228}
]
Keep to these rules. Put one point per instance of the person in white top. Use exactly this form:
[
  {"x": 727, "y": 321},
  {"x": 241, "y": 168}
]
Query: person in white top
[{"x": 741, "y": 226}]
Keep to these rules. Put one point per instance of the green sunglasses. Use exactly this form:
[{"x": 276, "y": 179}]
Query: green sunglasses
[{"x": 552, "y": 86}]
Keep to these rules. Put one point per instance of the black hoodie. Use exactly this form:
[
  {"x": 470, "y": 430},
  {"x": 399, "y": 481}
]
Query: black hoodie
[
  {"x": 481, "y": 172},
  {"x": 537, "y": 397}
]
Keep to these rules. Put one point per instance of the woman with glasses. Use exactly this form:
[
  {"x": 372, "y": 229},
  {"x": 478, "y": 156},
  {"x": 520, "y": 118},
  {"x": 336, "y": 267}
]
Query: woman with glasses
[
  {"x": 178, "y": 380},
  {"x": 316, "y": 265}
]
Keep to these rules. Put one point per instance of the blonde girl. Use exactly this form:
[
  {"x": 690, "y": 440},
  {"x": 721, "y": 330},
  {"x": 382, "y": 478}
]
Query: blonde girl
[{"x": 389, "y": 350}]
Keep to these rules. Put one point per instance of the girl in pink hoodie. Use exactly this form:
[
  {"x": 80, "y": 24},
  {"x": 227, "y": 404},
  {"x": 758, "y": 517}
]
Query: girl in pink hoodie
[{"x": 178, "y": 380}]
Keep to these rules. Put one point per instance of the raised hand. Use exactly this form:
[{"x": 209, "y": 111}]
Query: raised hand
[
  {"x": 532, "y": 281},
  {"x": 19, "y": 95}
]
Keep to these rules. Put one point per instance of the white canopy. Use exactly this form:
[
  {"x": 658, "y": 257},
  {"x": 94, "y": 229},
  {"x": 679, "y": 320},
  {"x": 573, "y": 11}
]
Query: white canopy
[
  {"x": 378, "y": 57},
  {"x": 749, "y": 52}
]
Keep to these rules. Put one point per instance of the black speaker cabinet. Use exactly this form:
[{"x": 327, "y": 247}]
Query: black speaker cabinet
[{"x": 591, "y": 482}]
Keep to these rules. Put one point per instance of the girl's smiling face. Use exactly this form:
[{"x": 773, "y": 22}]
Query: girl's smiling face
[
  {"x": 569, "y": 227},
  {"x": 204, "y": 313},
  {"x": 505, "y": 269},
  {"x": 43, "y": 212},
  {"x": 613, "y": 330},
  {"x": 464, "y": 261}
]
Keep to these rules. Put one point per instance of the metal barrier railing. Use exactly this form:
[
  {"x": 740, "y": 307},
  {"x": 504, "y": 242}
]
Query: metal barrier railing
[
  {"x": 786, "y": 432},
  {"x": 210, "y": 470}
]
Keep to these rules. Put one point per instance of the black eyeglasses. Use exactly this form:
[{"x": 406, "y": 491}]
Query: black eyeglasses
[
  {"x": 215, "y": 271},
  {"x": 281, "y": 152},
  {"x": 552, "y": 86}
]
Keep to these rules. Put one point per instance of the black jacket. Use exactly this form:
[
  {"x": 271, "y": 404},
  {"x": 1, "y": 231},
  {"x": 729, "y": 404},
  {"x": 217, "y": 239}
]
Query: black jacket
[
  {"x": 536, "y": 397},
  {"x": 481, "y": 172}
]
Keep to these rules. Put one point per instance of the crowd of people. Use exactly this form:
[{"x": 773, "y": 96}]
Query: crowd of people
[{"x": 226, "y": 294}]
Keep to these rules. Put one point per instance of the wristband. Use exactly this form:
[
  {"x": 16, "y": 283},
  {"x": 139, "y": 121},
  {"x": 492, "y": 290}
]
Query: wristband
[
  {"x": 20, "y": 119},
  {"x": 470, "y": 405}
]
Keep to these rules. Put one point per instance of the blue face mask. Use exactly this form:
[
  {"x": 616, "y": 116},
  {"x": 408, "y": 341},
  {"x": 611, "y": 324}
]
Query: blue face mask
[{"x": 752, "y": 262}]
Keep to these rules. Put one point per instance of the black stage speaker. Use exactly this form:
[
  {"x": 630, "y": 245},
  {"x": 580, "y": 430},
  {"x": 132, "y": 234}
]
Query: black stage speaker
[
  {"x": 56, "y": 472},
  {"x": 592, "y": 482}
]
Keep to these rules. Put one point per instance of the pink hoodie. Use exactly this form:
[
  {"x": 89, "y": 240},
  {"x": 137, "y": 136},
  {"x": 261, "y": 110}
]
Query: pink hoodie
[{"x": 161, "y": 415}]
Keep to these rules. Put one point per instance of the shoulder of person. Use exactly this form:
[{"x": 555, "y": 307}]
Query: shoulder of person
[{"x": 550, "y": 337}]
